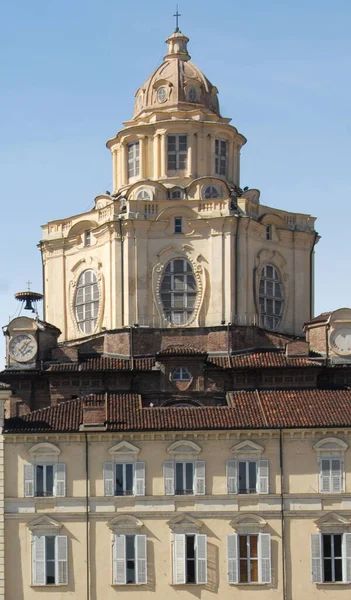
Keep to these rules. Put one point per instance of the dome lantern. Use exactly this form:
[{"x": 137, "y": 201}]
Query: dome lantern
[{"x": 177, "y": 46}]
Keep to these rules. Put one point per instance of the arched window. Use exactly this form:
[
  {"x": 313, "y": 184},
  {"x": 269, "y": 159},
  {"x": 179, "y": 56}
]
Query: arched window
[
  {"x": 176, "y": 194},
  {"x": 270, "y": 297},
  {"x": 211, "y": 191},
  {"x": 192, "y": 95},
  {"x": 178, "y": 291},
  {"x": 143, "y": 195},
  {"x": 87, "y": 301}
]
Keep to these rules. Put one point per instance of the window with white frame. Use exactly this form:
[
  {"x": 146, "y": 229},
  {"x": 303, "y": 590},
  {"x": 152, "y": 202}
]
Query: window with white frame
[
  {"x": 221, "y": 156},
  {"x": 87, "y": 301},
  {"x": 331, "y": 557},
  {"x": 44, "y": 476},
  {"x": 247, "y": 473},
  {"x": 184, "y": 474},
  {"x": 133, "y": 160},
  {"x": 49, "y": 560},
  {"x": 181, "y": 374},
  {"x": 189, "y": 558},
  {"x": 143, "y": 194},
  {"x": 270, "y": 297},
  {"x": 129, "y": 559},
  {"x": 249, "y": 557},
  {"x": 124, "y": 478},
  {"x": 330, "y": 452},
  {"x": 177, "y": 151},
  {"x": 178, "y": 291}
]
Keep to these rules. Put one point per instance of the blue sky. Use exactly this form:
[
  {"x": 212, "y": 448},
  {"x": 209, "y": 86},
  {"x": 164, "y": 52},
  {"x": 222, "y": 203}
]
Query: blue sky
[{"x": 69, "y": 71}]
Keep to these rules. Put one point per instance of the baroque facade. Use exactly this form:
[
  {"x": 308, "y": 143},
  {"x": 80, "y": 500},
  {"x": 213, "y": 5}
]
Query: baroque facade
[{"x": 179, "y": 422}]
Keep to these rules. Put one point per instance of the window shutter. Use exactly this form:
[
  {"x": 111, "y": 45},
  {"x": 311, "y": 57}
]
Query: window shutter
[
  {"x": 61, "y": 559},
  {"x": 38, "y": 558},
  {"x": 141, "y": 560},
  {"x": 336, "y": 475},
  {"x": 316, "y": 557},
  {"x": 346, "y": 557},
  {"x": 60, "y": 480},
  {"x": 139, "y": 479},
  {"x": 324, "y": 475},
  {"x": 28, "y": 480},
  {"x": 201, "y": 558},
  {"x": 264, "y": 555},
  {"x": 232, "y": 558},
  {"x": 168, "y": 472},
  {"x": 199, "y": 479},
  {"x": 109, "y": 476},
  {"x": 179, "y": 558},
  {"x": 263, "y": 477},
  {"x": 119, "y": 560},
  {"x": 232, "y": 476}
]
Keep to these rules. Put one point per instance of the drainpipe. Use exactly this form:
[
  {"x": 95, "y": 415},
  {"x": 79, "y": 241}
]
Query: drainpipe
[
  {"x": 312, "y": 275},
  {"x": 282, "y": 520},
  {"x": 122, "y": 270},
  {"x": 236, "y": 263},
  {"x": 87, "y": 536}
]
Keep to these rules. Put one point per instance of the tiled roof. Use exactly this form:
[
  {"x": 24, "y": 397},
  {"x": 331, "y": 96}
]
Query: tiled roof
[
  {"x": 322, "y": 318},
  {"x": 181, "y": 351},
  {"x": 105, "y": 364},
  {"x": 259, "y": 360},
  {"x": 246, "y": 410}
]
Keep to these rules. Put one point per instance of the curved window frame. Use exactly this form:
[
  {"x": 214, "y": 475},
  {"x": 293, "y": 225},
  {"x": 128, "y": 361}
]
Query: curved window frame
[
  {"x": 161, "y": 94},
  {"x": 178, "y": 191},
  {"x": 206, "y": 195},
  {"x": 192, "y": 94},
  {"x": 178, "y": 299},
  {"x": 86, "y": 309},
  {"x": 181, "y": 374},
  {"x": 271, "y": 302},
  {"x": 144, "y": 194}
]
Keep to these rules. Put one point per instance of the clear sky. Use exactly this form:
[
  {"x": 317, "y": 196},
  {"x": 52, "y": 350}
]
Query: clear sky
[{"x": 69, "y": 72}]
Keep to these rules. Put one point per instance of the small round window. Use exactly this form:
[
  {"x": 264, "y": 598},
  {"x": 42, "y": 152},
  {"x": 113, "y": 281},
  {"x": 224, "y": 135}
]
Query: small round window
[
  {"x": 192, "y": 95},
  {"x": 87, "y": 301},
  {"x": 162, "y": 94},
  {"x": 143, "y": 195},
  {"x": 211, "y": 191}
]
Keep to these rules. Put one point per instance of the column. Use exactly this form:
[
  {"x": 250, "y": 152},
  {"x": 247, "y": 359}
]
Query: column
[
  {"x": 163, "y": 155},
  {"x": 192, "y": 156},
  {"x": 142, "y": 158},
  {"x": 156, "y": 155},
  {"x": 124, "y": 176},
  {"x": 209, "y": 167},
  {"x": 235, "y": 164},
  {"x": 230, "y": 167},
  {"x": 114, "y": 169}
]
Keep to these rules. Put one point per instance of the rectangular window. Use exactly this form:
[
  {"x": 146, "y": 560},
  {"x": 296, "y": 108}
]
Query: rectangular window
[
  {"x": 247, "y": 470},
  {"x": 124, "y": 479},
  {"x": 87, "y": 238},
  {"x": 133, "y": 160},
  {"x": 184, "y": 476},
  {"x": 177, "y": 224},
  {"x": 44, "y": 480},
  {"x": 129, "y": 559},
  {"x": 49, "y": 560},
  {"x": 331, "y": 475},
  {"x": 332, "y": 557},
  {"x": 177, "y": 151},
  {"x": 189, "y": 558},
  {"x": 248, "y": 557},
  {"x": 221, "y": 156},
  {"x": 268, "y": 232},
  {"x": 247, "y": 476}
]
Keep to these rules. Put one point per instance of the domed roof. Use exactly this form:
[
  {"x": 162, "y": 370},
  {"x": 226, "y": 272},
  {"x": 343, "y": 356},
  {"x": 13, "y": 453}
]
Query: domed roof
[{"x": 176, "y": 84}]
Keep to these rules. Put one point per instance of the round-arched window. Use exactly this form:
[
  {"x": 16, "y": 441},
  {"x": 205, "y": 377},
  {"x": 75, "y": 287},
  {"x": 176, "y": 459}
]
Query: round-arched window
[
  {"x": 143, "y": 195},
  {"x": 87, "y": 301},
  {"x": 270, "y": 297},
  {"x": 176, "y": 194},
  {"x": 192, "y": 95},
  {"x": 178, "y": 291},
  {"x": 211, "y": 191}
]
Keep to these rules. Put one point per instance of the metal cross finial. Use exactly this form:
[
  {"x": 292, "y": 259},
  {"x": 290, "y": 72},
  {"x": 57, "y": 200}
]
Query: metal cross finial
[
  {"x": 177, "y": 15},
  {"x": 29, "y": 283}
]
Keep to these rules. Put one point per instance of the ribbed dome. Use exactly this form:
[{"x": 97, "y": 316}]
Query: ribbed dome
[{"x": 176, "y": 84}]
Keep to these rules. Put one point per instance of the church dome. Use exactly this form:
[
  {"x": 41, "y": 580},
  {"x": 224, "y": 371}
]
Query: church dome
[{"x": 177, "y": 84}]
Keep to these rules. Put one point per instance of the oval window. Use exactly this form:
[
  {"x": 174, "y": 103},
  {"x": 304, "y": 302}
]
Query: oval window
[
  {"x": 178, "y": 291},
  {"x": 270, "y": 298},
  {"x": 211, "y": 192},
  {"x": 162, "y": 94},
  {"x": 192, "y": 95},
  {"x": 87, "y": 301}
]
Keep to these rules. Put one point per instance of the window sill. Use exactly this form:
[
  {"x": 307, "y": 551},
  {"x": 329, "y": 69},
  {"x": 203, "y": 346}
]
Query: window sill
[
  {"x": 177, "y": 585},
  {"x": 329, "y": 583},
  {"x": 48, "y": 585},
  {"x": 127, "y": 585},
  {"x": 251, "y": 583}
]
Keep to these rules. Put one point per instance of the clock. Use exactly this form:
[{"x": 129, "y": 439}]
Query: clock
[
  {"x": 340, "y": 341},
  {"x": 23, "y": 347}
]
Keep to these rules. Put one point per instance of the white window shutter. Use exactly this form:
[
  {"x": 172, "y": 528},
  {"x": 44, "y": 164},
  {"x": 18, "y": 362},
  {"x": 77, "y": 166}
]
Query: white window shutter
[
  {"x": 232, "y": 476},
  {"x": 119, "y": 560},
  {"x": 264, "y": 558},
  {"x": 201, "y": 558},
  {"x": 233, "y": 558},
  {"x": 336, "y": 475},
  {"x": 141, "y": 559},
  {"x": 179, "y": 558},
  {"x": 139, "y": 479},
  {"x": 109, "y": 479},
  {"x": 263, "y": 477},
  {"x": 346, "y": 557},
  {"x": 316, "y": 557},
  {"x": 199, "y": 478},
  {"x": 60, "y": 480},
  {"x": 61, "y": 563},
  {"x": 324, "y": 475},
  {"x": 38, "y": 560},
  {"x": 168, "y": 473},
  {"x": 28, "y": 472}
]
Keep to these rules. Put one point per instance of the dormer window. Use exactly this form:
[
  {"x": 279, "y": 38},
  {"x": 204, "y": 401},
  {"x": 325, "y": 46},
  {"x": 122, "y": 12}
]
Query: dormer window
[
  {"x": 143, "y": 195},
  {"x": 211, "y": 191},
  {"x": 177, "y": 150},
  {"x": 181, "y": 374},
  {"x": 221, "y": 156},
  {"x": 192, "y": 94},
  {"x": 133, "y": 160}
]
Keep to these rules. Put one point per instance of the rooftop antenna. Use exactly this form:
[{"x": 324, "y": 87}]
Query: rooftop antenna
[
  {"x": 29, "y": 297},
  {"x": 177, "y": 15}
]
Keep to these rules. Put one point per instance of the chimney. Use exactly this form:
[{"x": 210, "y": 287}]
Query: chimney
[{"x": 94, "y": 413}]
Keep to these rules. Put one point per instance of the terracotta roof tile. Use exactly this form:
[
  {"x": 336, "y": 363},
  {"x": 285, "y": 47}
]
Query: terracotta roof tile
[
  {"x": 181, "y": 351},
  {"x": 260, "y": 360},
  {"x": 322, "y": 318},
  {"x": 104, "y": 363},
  {"x": 246, "y": 410}
]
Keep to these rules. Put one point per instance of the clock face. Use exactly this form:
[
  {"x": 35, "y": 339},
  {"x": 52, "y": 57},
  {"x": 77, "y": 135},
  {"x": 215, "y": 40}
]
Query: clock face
[
  {"x": 340, "y": 341},
  {"x": 23, "y": 347}
]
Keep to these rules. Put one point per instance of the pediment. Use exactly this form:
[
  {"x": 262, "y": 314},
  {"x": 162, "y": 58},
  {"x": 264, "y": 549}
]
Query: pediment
[
  {"x": 125, "y": 523},
  {"x": 330, "y": 446},
  {"x": 43, "y": 525},
  {"x": 44, "y": 449},
  {"x": 185, "y": 522},
  {"x": 184, "y": 447},
  {"x": 248, "y": 522},
  {"x": 124, "y": 448},
  {"x": 333, "y": 521},
  {"x": 247, "y": 447}
]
